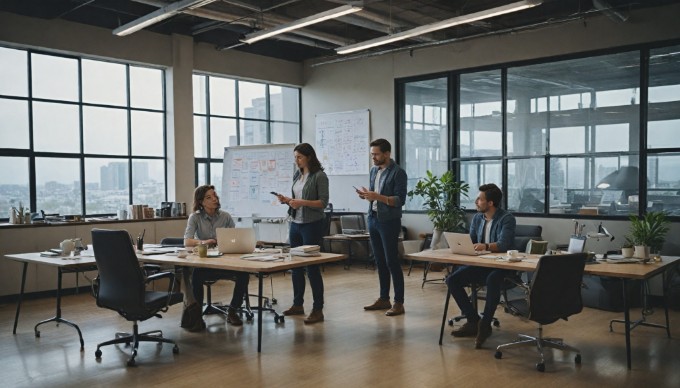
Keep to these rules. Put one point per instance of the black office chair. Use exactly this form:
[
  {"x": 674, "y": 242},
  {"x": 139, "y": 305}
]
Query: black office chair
[
  {"x": 121, "y": 286},
  {"x": 555, "y": 293}
]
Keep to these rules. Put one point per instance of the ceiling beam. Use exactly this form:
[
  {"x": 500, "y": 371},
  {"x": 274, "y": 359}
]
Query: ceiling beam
[
  {"x": 158, "y": 15},
  {"x": 273, "y": 19}
]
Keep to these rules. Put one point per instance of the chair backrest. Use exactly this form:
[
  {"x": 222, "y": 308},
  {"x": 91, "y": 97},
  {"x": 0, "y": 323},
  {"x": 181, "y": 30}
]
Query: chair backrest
[
  {"x": 121, "y": 279},
  {"x": 172, "y": 241},
  {"x": 556, "y": 288},
  {"x": 427, "y": 241},
  {"x": 524, "y": 233},
  {"x": 352, "y": 222}
]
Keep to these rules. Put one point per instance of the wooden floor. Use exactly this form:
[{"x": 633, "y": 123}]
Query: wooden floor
[{"x": 352, "y": 348}]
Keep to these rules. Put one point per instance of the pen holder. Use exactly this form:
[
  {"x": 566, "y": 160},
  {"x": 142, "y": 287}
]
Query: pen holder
[{"x": 140, "y": 244}]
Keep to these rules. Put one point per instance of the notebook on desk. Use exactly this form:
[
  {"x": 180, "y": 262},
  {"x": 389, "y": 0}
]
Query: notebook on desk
[
  {"x": 461, "y": 243},
  {"x": 235, "y": 240}
]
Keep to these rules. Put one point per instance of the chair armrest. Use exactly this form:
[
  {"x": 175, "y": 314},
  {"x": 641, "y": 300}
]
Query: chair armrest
[
  {"x": 151, "y": 268},
  {"x": 171, "y": 285}
]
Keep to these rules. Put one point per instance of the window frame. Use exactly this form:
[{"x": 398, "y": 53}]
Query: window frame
[{"x": 81, "y": 155}]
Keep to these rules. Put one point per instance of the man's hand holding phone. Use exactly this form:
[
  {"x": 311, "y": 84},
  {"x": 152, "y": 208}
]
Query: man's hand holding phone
[{"x": 361, "y": 192}]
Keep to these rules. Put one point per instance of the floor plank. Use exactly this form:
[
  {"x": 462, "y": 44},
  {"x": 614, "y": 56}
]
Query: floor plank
[{"x": 351, "y": 348}]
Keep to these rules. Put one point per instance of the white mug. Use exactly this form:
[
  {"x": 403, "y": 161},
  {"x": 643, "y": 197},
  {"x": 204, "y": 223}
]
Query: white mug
[{"x": 513, "y": 253}]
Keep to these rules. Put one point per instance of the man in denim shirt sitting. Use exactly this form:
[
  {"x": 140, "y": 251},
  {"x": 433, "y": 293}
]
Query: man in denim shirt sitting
[
  {"x": 387, "y": 194},
  {"x": 492, "y": 229}
]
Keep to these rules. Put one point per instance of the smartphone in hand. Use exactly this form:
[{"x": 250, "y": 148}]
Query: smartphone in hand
[{"x": 274, "y": 193}]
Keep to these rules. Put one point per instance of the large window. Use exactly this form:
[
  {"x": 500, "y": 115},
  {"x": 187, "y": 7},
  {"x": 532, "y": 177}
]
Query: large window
[
  {"x": 425, "y": 141},
  {"x": 560, "y": 137},
  {"x": 229, "y": 112},
  {"x": 79, "y": 136}
]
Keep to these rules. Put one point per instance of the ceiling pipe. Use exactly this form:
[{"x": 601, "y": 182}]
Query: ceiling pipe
[
  {"x": 232, "y": 18},
  {"x": 611, "y": 12}
]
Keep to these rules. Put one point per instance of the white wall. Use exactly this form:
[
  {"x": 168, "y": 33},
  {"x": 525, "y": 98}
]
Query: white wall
[{"x": 369, "y": 84}]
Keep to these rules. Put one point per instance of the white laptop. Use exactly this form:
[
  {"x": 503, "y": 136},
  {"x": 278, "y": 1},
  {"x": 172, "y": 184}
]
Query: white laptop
[
  {"x": 235, "y": 240},
  {"x": 461, "y": 243}
]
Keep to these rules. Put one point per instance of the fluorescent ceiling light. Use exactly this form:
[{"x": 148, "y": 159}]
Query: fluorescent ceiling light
[
  {"x": 158, "y": 15},
  {"x": 473, "y": 17},
  {"x": 319, "y": 17}
]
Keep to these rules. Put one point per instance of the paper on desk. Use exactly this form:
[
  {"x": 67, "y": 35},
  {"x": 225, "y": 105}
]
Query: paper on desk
[{"x": 252, "y": 257}]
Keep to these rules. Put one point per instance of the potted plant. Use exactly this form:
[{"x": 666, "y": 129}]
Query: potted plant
[
  {"x": 648, "y": 233},
  {"x": 440, "y": 199},
  {"x": 627, "y": 248}
]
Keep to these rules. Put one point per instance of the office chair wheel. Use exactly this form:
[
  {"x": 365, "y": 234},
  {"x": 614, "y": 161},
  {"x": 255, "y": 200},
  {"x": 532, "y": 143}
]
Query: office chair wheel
[
  {"x": 540, "y": 367},
  {"x": 37, "y": 334},
  {"x": 175, "y": 349},
  {"x": 249, "y": 317},
  {"x": 274, "y": 301},
  {"x": 98, "y": 354},
  {"x": 496, "y": 323},
  {"x": 577, "y": 359},
  {"x": 278, "y": 319},
  {"x": 131, "y": 362},
  {"x": 498, "y": 355}
]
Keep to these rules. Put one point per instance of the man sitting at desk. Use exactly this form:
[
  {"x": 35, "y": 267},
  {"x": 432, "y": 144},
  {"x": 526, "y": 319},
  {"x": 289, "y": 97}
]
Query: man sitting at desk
[{"x": 492, "y": 229}]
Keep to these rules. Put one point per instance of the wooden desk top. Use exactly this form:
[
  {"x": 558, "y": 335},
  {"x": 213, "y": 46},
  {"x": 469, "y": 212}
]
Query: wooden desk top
[
  {"x": 627, "y": 271},
  {"x": 232, "y": 262}
]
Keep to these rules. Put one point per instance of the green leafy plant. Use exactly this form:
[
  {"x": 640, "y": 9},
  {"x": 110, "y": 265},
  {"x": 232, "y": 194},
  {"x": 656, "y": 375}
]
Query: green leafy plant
[
  {"x": 440, "y": 195},
  {"x": 627, "y": 243},
  {"x": 649, "y": 230}
]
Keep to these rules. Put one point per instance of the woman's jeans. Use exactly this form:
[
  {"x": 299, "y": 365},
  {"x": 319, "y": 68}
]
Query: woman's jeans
[{"x": 307, "y": 234}]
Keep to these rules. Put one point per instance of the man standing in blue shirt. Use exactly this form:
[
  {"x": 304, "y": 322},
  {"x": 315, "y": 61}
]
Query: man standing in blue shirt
[
  {"x": 492, "y": 229},
  {"x": 386, "y": 195}
]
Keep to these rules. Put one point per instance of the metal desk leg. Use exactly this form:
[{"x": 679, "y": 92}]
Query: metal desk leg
[
  {"x": 57, "y": 318},
  {"x": 446, "y": 311},
  {"x": 21, "y": 297},
  {"x": 626, "y": 317},
  {"x": 259, "y": 315}
]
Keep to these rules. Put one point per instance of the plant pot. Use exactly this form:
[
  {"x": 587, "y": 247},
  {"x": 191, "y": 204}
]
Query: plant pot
[
  {"x": 627, "y": 252},
  {"x": 436, "y": 239},
  {"x": 641, "y": 252}
]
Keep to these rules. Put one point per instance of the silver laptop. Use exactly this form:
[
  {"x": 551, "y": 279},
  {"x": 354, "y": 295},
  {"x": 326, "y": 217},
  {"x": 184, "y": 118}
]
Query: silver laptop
[
  {"x": 461, "y": 243},
  {"x": 235, "y": 240}
]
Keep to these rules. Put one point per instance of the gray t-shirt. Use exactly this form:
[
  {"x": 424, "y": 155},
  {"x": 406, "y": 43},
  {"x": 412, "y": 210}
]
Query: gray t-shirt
[{"x": 202, "y": 226}]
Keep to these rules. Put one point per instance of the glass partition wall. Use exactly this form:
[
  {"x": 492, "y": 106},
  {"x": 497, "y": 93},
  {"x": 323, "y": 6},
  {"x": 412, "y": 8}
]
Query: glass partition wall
[{"x": 592, "y": 135}]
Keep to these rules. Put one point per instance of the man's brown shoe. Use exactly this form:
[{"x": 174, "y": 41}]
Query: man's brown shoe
[
  {"x": 469, "y": 329},
  {"x": 233, "y": 318},
  {"x": 380, "y": 304},
  {"x": 315, "y": 316},
  {"x": 397, "y": 309},
  {"x": 295, "y": 310},
  {"x": 483, "y": 332}
]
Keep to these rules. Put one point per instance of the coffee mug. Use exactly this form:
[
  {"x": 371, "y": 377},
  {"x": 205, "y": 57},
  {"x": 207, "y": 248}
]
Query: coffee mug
[
  {"x": 67, "y": 246},
  {"x": 513, "y": 253},
  {"x": 201, "y": 250}
]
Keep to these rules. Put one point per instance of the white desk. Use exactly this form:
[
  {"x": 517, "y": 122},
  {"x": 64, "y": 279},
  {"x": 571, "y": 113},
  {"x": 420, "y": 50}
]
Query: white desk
[{"x": 231, "y": 262}]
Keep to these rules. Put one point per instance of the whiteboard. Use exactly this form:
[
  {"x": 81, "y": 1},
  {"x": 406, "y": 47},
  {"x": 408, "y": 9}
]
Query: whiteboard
[
  {"x": 251, "y": 173},
  {"x": 342, "y": 140}
]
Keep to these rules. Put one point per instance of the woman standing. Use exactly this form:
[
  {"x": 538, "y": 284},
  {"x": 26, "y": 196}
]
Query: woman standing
[
  {"x": 206, "y": 217},
  {"x": 306, "y": 207}
]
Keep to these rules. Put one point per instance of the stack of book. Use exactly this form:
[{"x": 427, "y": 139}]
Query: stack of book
[{"x": 306, "y": 250}]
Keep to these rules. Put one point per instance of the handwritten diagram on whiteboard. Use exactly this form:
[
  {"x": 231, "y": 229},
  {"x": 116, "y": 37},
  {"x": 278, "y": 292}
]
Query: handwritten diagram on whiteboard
[
  {"x": 342, "y": 142},
  {"x": 251, "y": 173}
]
